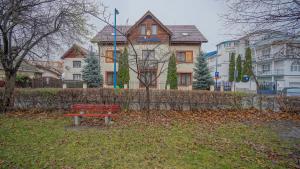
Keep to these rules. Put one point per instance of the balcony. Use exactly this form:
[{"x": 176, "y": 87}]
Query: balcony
[
  {"x": 276, "y": 72},
  {"x": 148, "y": 64},
  {"x": 146, "y": 38}
]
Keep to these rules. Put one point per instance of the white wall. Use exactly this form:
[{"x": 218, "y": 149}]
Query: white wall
[{"x": 68, "y": 63}]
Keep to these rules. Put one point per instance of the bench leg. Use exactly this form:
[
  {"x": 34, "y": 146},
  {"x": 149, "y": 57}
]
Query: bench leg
[
  {"x": 77, "y": 120},
  {"x": 107, "y": 119}
]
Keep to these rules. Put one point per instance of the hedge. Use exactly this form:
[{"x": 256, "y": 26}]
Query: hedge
[{"x": 51, "y": 98}]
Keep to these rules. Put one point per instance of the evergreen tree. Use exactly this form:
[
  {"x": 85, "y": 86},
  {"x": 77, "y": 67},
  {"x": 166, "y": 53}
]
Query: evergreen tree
[
  {"x": 231, "y": 67},
  {"x": 248, "y": 63},
  {"x": 202, "y": 76},
  {"x": 91, "y": 72},
  {"x": 172, "y": 72},
  {"x": 239, "y": 68},
  {"x": 123, "y": 70}
]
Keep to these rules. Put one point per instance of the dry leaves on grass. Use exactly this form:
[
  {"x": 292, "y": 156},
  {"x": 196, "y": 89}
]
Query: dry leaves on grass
[{"x": 166, "y": 117}]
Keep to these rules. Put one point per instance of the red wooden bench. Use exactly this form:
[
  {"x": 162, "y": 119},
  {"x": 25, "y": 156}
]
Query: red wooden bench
[{"x": 85, "y": 110}]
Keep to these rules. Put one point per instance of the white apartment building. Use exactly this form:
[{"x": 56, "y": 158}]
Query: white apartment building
[
  {"x": 218, "y": 61},
  {"x": 277, "y": 59},
  {"x": 154, "y": 41}
]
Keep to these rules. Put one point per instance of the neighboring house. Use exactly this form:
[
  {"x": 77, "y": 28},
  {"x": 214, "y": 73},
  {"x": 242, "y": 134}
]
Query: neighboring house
[
  {"x": 218, "y": 61},
  {"x": 277, "y": 59},
  {"x": 52, "y": 69},
  {"x": 73, "y": 61},
  {"x": 151, "y": 38},
  {"x": 25, "y": 69}
]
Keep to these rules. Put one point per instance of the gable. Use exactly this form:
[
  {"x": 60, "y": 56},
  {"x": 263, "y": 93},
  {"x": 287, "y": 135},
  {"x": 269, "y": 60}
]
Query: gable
[
  {"x": 75, "y": 52},
  {"x": 163, "y": 33}
]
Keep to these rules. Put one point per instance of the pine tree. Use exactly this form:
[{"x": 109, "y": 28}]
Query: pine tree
[
  {"x": 231, "y": 67},
  {"x": 91, "y": 72},
  {"x": 248, "y": 63},
  {"x": 202, "y": 76},
  {"x": 123, "y": 70},
  {"x": 239, "y": 68},
  {"x": 172, "y": 72}
]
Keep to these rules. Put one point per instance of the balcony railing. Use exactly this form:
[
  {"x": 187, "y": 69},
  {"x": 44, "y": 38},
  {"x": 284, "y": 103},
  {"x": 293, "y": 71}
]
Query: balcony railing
[
  {"x": 148, "y": 64},
  {"x": 276, "y": 72}
]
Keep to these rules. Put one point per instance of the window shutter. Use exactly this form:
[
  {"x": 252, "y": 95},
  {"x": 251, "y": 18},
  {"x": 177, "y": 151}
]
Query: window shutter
[
  {"x": 189, "y": 56},
  {"x": 109, "y": 56}
]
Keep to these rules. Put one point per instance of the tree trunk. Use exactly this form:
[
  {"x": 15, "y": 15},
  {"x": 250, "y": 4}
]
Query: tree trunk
[
  {"x": 147, "y": 102},
  {"x": 8, "y": 100}
]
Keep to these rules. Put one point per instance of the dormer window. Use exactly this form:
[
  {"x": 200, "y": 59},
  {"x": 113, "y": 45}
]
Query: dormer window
[
  {"x": 143, "y": 30},
  {"x": 154, "y": 30}
]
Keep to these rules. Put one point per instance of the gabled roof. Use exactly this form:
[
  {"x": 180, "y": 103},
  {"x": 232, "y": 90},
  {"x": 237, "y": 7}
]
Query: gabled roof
[
  {"x": 178, "y": 33},
  {"x": 147, "y": 14},
  {"x": 80, "y": 49},
  {"x": 25, "y": 67}
]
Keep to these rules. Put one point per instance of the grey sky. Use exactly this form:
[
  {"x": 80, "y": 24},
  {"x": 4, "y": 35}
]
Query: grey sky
[{"x": 202, "y": 13}]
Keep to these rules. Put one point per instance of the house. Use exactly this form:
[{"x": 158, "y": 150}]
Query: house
[
  {"x": 218, "y": 61},
  {"x": 49, "y": 69},
  {"x": 150, "y": 38},
  {"x": 25, "y": 69},
  {"x": 73, "y": 61},
  {"x": 276, "y": 59}
]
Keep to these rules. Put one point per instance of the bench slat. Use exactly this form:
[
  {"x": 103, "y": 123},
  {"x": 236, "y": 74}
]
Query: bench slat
[
  {"x": 90, "y": 115},
  {"x": 96, "y": 107}
]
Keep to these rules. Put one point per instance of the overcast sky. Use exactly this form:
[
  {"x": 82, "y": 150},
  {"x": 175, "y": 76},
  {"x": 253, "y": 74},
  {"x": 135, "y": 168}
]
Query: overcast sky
[{"x": 205, "y": 14}]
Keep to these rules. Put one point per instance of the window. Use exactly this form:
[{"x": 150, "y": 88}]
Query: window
[
  {"x": 109, "y": 78},
  {"x": 76, "y": 64},
  {"x": 227, "y": 44},
  {"x": 154, "y": 30},
  {"x": 266, "y": 52},
  {"x": 184, "y": 56},
  {"x": 76, "y": 76},
  {"x": 109, "y": 58},
  {"x": 292, "y": 51},
  {"x": 266, "y": 68},
  {"x": 148, "y": 77},
  {"x": 235, "y": 43},
  {"x": 184, "y": 79},
  {"x": 295, "y": 67},
  {"x": 143, "y": 29},
  {"x": 148, "y": 54}
]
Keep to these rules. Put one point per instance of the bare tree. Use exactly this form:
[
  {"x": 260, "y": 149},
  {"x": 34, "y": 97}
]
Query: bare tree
[
  {"x": 31, "y": 28},
  {"x": 261, "y": 16}
]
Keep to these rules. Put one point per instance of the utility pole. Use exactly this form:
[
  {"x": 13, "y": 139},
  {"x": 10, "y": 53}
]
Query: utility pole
[
  {"x": 115, "y": 49},
  {"x": 216, "y": 72}
]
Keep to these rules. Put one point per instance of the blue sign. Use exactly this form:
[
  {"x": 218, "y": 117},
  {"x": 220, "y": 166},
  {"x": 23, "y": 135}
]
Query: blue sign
[
  {"x": 246, "y": 78},
  {"x": 217, "y": 74}
]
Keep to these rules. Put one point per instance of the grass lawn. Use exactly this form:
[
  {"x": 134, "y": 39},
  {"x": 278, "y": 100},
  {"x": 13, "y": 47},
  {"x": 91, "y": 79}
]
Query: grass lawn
[{"x": 46, "y": 142}]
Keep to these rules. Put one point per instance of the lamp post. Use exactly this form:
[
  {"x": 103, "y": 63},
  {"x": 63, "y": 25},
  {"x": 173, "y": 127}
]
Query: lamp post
[{"x": 115, "y": 49}]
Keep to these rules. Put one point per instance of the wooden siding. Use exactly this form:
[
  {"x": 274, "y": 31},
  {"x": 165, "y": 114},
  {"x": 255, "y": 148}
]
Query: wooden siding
[{"x": 162, "y": 35}]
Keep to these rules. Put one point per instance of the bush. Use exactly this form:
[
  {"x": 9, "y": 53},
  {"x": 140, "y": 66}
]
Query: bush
[
  {"x": 23, "y": 81},
  {"x": 289, "y": 104},
  {"x": 48, "y": 99}
]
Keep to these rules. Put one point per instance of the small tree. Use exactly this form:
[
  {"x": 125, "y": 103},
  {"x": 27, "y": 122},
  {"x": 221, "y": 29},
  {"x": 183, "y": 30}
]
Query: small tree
[
  {"x": 172, "y": 73},
  {"x": 123, "y": 69},
  {"x": 248, "y": 63},
  {"x": 231, "y": 67},
  {"x": 239, "y": 68},
  {"x": 202, "y": 76},
  {"x": 91, "y": 72}
]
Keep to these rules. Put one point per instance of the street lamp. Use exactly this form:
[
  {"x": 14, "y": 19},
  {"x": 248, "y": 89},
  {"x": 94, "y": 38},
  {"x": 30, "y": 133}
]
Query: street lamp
[{"x": 115, "y": 49}]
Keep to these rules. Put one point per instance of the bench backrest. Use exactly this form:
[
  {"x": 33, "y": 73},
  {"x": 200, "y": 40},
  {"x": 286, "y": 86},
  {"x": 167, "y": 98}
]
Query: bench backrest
[{"x": 96, "y": 107}]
